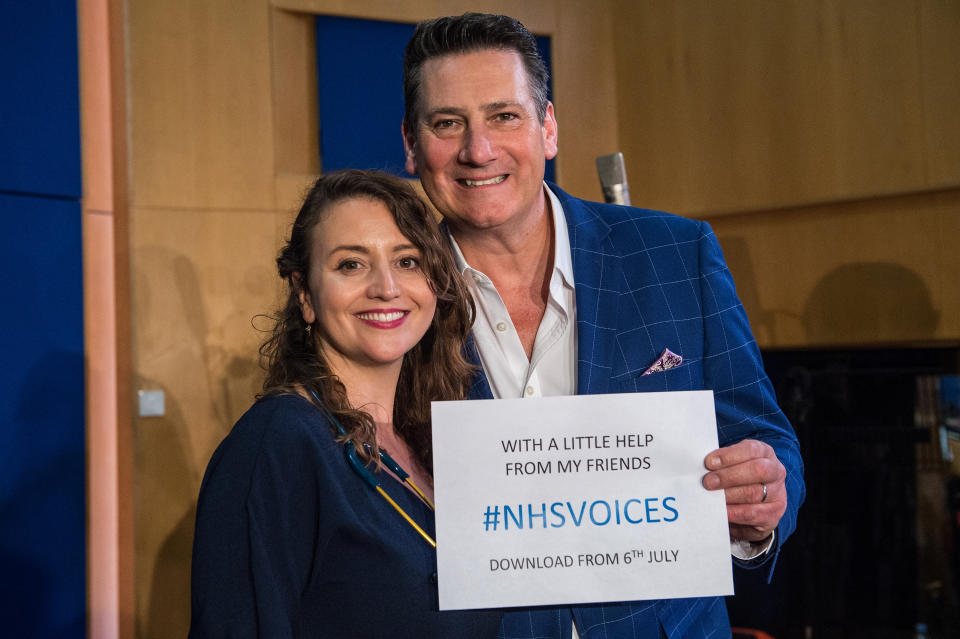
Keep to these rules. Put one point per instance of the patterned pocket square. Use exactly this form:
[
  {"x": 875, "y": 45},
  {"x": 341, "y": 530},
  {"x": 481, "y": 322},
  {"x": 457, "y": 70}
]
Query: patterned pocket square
[{"x": 667, "y": 360}]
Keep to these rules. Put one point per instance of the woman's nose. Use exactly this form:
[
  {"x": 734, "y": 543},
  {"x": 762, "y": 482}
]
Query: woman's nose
[{"x": 384, "y": 283}]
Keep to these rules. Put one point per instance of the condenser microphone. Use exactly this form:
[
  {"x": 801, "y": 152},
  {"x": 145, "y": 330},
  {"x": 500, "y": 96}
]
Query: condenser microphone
[{"x": 613, "y": 179}]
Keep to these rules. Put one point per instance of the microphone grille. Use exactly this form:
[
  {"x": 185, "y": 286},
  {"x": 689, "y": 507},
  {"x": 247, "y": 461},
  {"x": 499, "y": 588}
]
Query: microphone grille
[{"x": 611, "y": 169}]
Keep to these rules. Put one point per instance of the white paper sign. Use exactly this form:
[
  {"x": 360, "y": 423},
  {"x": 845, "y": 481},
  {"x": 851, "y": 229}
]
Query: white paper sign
[{"x": 577, "y": 499}]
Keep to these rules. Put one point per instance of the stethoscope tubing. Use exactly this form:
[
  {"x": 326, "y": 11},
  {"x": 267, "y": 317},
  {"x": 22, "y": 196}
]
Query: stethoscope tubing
[{"x": 368, "y": 477}]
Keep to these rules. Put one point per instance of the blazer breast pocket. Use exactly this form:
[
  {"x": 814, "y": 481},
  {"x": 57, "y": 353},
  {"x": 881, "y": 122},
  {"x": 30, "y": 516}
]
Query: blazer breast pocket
[{"x": 687, "y": 376}]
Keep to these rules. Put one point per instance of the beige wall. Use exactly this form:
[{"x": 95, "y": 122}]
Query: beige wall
[
  {"x": 874, "y": 271},
  {"x": 821, "y": 140},
  {"x": 823, "y": 133},
  {"x": 753, "y": 105}
]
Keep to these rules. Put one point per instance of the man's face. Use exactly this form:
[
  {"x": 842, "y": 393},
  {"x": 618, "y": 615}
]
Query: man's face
[{"x": 478, "y": 144}]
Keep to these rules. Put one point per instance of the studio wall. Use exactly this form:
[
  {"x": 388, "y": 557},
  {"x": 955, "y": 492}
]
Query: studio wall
[{"x": 820, "y": 140}]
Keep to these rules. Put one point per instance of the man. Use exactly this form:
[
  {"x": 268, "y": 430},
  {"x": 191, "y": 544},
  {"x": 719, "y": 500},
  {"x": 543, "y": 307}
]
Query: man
[{"x": 579, "y": 297}]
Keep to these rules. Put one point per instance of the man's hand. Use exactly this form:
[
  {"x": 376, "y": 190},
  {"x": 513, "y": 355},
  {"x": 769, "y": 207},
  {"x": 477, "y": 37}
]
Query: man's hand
[{"x": 742, "y": 471}]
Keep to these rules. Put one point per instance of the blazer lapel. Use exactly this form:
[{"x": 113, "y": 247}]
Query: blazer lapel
[
  {"x": 596, "y": 271},
  {"x": 480, "y": 388}
]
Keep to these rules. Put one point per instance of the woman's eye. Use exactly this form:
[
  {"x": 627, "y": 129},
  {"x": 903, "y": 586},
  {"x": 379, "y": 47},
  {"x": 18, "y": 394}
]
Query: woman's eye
[
  {"x": 348, "y": 265},
  {"x": 408, "y": 262}
]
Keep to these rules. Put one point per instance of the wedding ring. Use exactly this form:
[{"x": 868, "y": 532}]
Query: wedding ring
[{"x": 764, "y": 498}]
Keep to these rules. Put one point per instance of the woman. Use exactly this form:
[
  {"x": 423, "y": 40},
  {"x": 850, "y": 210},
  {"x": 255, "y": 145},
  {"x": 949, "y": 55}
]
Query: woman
[{"x": 293, "y": 537}]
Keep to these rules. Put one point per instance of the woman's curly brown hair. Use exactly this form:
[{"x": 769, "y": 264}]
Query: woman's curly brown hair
[{"x": 434, "y": 369}]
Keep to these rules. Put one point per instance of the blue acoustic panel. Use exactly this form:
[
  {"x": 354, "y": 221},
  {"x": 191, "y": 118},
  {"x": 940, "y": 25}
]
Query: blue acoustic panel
[
  {"x": 40, "y": 103},
  {"x": 42, "y": 443},
  {"x": 360, "y": 67}
]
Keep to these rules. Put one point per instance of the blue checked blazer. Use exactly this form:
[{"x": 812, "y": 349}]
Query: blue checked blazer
[{"x": 646, "y": 281}]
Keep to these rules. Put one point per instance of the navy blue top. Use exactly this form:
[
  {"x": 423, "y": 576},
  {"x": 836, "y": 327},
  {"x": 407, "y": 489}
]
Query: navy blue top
[{"x": 290, "y": 542}]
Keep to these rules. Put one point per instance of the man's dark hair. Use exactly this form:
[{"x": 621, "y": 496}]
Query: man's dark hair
[{"x": 465, "y": 34}]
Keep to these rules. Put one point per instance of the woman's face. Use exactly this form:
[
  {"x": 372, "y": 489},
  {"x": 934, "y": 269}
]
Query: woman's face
[{"x": 367, "y": 295}]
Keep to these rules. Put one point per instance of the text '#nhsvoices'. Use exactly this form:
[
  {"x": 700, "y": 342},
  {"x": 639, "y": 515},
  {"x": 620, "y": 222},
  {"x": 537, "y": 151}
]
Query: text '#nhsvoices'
[{"x": 600, "y": 512}]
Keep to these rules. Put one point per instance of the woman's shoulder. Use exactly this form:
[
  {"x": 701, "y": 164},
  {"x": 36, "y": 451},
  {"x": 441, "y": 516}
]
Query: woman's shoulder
[
  {"x": 277, "y": 427},
  {"x": 284, "y": 420},
  {"x": 269, "y": 408}
]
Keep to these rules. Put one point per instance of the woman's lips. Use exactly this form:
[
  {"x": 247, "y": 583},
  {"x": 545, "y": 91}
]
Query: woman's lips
[{"x": 389, "y": 318}]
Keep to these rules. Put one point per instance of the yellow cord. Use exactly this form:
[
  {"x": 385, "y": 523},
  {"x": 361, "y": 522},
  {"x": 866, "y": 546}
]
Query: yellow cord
[
  {"x": 420, "y": 492},
  {"x": 407, "y": 517}
]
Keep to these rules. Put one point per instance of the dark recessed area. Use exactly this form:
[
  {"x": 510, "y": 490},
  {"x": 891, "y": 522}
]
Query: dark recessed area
[{"x": 876, "y": 547}]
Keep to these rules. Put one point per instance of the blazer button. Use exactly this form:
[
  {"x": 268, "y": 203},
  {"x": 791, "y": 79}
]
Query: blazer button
[{"x": 433, "y": 578}]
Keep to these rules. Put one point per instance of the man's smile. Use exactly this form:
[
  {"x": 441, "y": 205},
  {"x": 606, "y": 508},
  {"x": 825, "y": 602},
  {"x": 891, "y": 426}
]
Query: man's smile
[{"x": 474, "y": 183}]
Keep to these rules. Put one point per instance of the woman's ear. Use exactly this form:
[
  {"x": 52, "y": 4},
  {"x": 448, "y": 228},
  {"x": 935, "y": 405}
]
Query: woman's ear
[{"x": 303, "y": 297}]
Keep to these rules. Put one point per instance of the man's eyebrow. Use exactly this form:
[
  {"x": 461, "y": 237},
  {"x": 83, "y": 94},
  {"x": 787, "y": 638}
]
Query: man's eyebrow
[
  {"x": 507, "y": 104},
  {"x": 490, "y": 106},
  {"x": 443, "y": 110}
]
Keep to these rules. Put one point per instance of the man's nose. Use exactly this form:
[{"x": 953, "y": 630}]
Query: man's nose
[
  {"x": 383, "y": 283},
  {"x": 478, "y": 147}
]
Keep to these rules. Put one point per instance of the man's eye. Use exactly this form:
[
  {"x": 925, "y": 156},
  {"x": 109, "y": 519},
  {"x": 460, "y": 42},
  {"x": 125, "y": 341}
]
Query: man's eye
[
  {"x": 442, "y": 125},
  {"x": 506, "y": 117}
]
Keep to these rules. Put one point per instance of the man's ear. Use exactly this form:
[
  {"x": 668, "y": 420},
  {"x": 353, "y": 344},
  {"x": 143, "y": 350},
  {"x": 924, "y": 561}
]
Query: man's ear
[
  {"x": 550, "y": 138},
  {"x": 409, "y": 148},
  {"x": 303, "y": 297}
]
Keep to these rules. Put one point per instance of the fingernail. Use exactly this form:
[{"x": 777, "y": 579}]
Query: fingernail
[
  {"x": 713, "y": 462},
  {"x": 711, "y": 482}
]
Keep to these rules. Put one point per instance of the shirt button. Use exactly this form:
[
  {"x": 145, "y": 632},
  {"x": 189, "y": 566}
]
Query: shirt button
[
  {"x": 528, "y": 391},
  {"x": 477, "y": 278},
  {"x": 501, "y": 326}
]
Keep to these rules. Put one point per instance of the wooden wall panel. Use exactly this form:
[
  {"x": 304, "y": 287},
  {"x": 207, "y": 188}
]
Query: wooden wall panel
[
  {"x": 295, "y": 102},
  {"x": 537, "y": 15},
  {"x": 584, "y": 94},
  {"x": 199, "y": 278},
  {"x": 293, "y": 68},
  {"x": 200, "y": 104},
  {"x": 940, "y": 56},
  {"x": 747, "y": 104},
  {"x": 878, "y": 271}
]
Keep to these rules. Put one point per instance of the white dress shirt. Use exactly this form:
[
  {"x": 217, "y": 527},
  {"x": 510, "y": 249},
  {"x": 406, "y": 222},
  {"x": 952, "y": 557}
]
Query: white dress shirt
[{"x": 552, "y": 369}]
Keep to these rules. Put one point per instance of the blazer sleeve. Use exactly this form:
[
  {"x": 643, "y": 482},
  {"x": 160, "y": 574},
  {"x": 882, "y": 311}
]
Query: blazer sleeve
[
  {"x": 745, "y": 401},
  {"x": 256, "y": 533}
]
